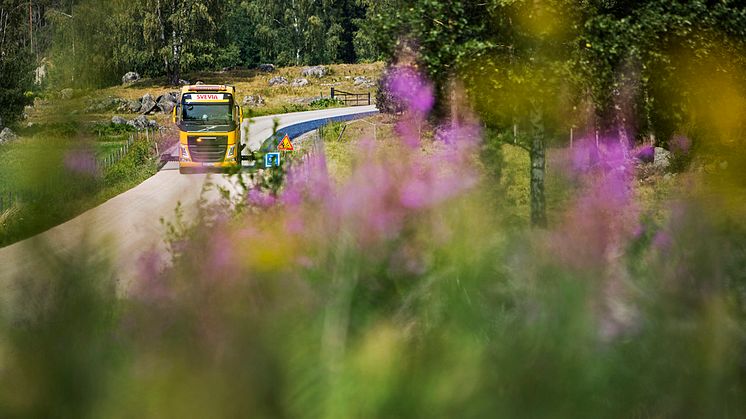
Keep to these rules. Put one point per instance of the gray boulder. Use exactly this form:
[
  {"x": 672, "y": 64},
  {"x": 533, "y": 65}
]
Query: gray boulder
[
  {"x": 363, "y": 81},
  {"x": 315, "y": 71},
  {"x": 6, "y": 135},
  {"x": 118, "y": 120},
  {"x": 66, "y": 94},
  {"x": 278, "y": 81},
  {"x": 134, "y": 105},
  {"x": 142, "y": 122},
  {"x": 662, "y": 158},
  {"x": 148, "y": 104},
  {"x": 167, "y": 102},
  {"x": 300, "y": 82},
  {"x": 266, "y": 68},
  {"x": 130, "y": 77},
  {"x": 167, "y": 107},
  {"x": 253, "y": 101},
  {"x": 183, "y": 82}
]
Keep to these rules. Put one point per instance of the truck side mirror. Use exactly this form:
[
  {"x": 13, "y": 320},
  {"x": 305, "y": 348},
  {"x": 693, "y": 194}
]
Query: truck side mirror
[{"x": 173, "y": 114}]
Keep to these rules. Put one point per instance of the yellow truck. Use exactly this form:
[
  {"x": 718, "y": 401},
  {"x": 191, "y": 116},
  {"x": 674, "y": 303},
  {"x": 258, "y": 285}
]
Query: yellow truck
[{"x": 209, "y": 123}]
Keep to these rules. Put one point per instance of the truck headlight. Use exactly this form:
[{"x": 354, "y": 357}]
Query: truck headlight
[
  {"x": 184, "y": 153},
  {"x": 231, "y": 151}
]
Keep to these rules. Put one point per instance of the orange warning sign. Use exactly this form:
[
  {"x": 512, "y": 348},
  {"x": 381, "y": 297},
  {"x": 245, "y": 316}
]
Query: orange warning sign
[{"x": 285, "y": 144}]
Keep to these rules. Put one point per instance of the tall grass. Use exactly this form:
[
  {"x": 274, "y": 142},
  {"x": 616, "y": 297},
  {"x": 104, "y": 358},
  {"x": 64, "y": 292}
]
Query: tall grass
[
  {"x": 54, "y": 176},
  {"x": 402, "y": 291}
]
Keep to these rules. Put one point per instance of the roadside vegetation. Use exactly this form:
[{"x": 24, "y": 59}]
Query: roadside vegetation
[
  {"x": 372, "y": 266},
  {"x": 53, "y": 174},
  {"x": 546, "y": 222}
]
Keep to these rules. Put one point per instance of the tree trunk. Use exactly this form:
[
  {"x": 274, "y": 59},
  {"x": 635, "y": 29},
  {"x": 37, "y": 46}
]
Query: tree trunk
[
  {"x": 176, "y": 44},
  {"x": 538, "y": 166},
  {"x": 175, "y": 58}
]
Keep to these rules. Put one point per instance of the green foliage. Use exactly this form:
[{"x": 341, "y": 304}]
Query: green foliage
[
  {"x": 321, "y": 103},
  {"x": 109, "y": 130},
  {"x": 296, "y": 32},
  {"x": 127, "y": 170},
  {"x": 658, "y": 48},
  {"x": 53, "y": 175},
  {"x": 16, "y": 63},
  {"x": 63, "y": 339},
  {"x": 326, "y": 102},
  {"x": 170, "y": 38},
  {"x": 79, "y": 55}
]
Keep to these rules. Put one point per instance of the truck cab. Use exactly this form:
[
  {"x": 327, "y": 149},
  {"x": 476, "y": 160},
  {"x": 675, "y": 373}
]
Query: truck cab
[{"x": 209, "y": 123}]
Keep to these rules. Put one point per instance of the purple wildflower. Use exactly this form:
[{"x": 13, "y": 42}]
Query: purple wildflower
[
  {"x": 80, "y": 162},
  {"x": 260, "y": 199},
  {"x": 410, "y": 87},
  {"x": 662, "y": 240},
  {"x": 605, "y": 215}
]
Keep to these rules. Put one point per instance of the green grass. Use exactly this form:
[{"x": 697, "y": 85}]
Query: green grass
[
  {"x": 50, "y": 193},
  {"x": 512, "y": 195}
]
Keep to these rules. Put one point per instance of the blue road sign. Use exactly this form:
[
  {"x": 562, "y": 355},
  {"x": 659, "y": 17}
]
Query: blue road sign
[{"x": 271, "y": 159}]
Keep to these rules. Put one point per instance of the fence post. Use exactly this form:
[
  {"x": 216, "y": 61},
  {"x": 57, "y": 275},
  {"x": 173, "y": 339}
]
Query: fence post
[
  {"x": 368, "y": 97},
  {"x": 332, "y": 92},
  {"x": 571, "y": 137}
]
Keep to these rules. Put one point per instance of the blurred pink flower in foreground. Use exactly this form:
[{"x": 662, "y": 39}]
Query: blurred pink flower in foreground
[
  {"x": 388, "y": 186},
  {"x": 260, "y": 198},
  {"x": 412, "y": 89},
  {"x": 80, "y": 162},
  {"x": 417, "y": 95},
  {"x": 604, "y": 216},
  {"x": 592, "y": 239},
  {"x": 384, "y": 198}
]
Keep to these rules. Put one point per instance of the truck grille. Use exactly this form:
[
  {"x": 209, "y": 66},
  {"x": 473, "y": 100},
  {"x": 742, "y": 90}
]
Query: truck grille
[{"x": 207, "y": 148}]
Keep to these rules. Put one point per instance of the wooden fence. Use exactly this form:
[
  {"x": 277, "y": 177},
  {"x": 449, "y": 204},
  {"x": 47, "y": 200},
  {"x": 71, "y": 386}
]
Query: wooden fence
[{"x": 351, "y": 99}]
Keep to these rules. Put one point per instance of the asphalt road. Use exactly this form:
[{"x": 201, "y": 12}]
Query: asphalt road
[{"x": 125, "y": 228}]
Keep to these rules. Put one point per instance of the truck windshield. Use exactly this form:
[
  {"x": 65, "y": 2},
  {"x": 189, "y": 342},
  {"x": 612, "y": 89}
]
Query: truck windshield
[{"x": 207, "y": 113}]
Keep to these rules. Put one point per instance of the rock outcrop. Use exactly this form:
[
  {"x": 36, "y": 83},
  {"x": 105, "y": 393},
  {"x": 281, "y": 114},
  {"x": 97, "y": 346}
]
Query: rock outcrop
[
  {"x": 130, "y": 77},
  {"x": 278, "y": 81},
  {"x": 140, "y": 122},
  {"x": 266, "y": 68},
  {"x": 662, "y": 158},
  {"x": 300, "y": 82},
  {"x": 253, "y": 101},
  {"x": 7, "y": 135},
  {"x": 315, "y": 71}
]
